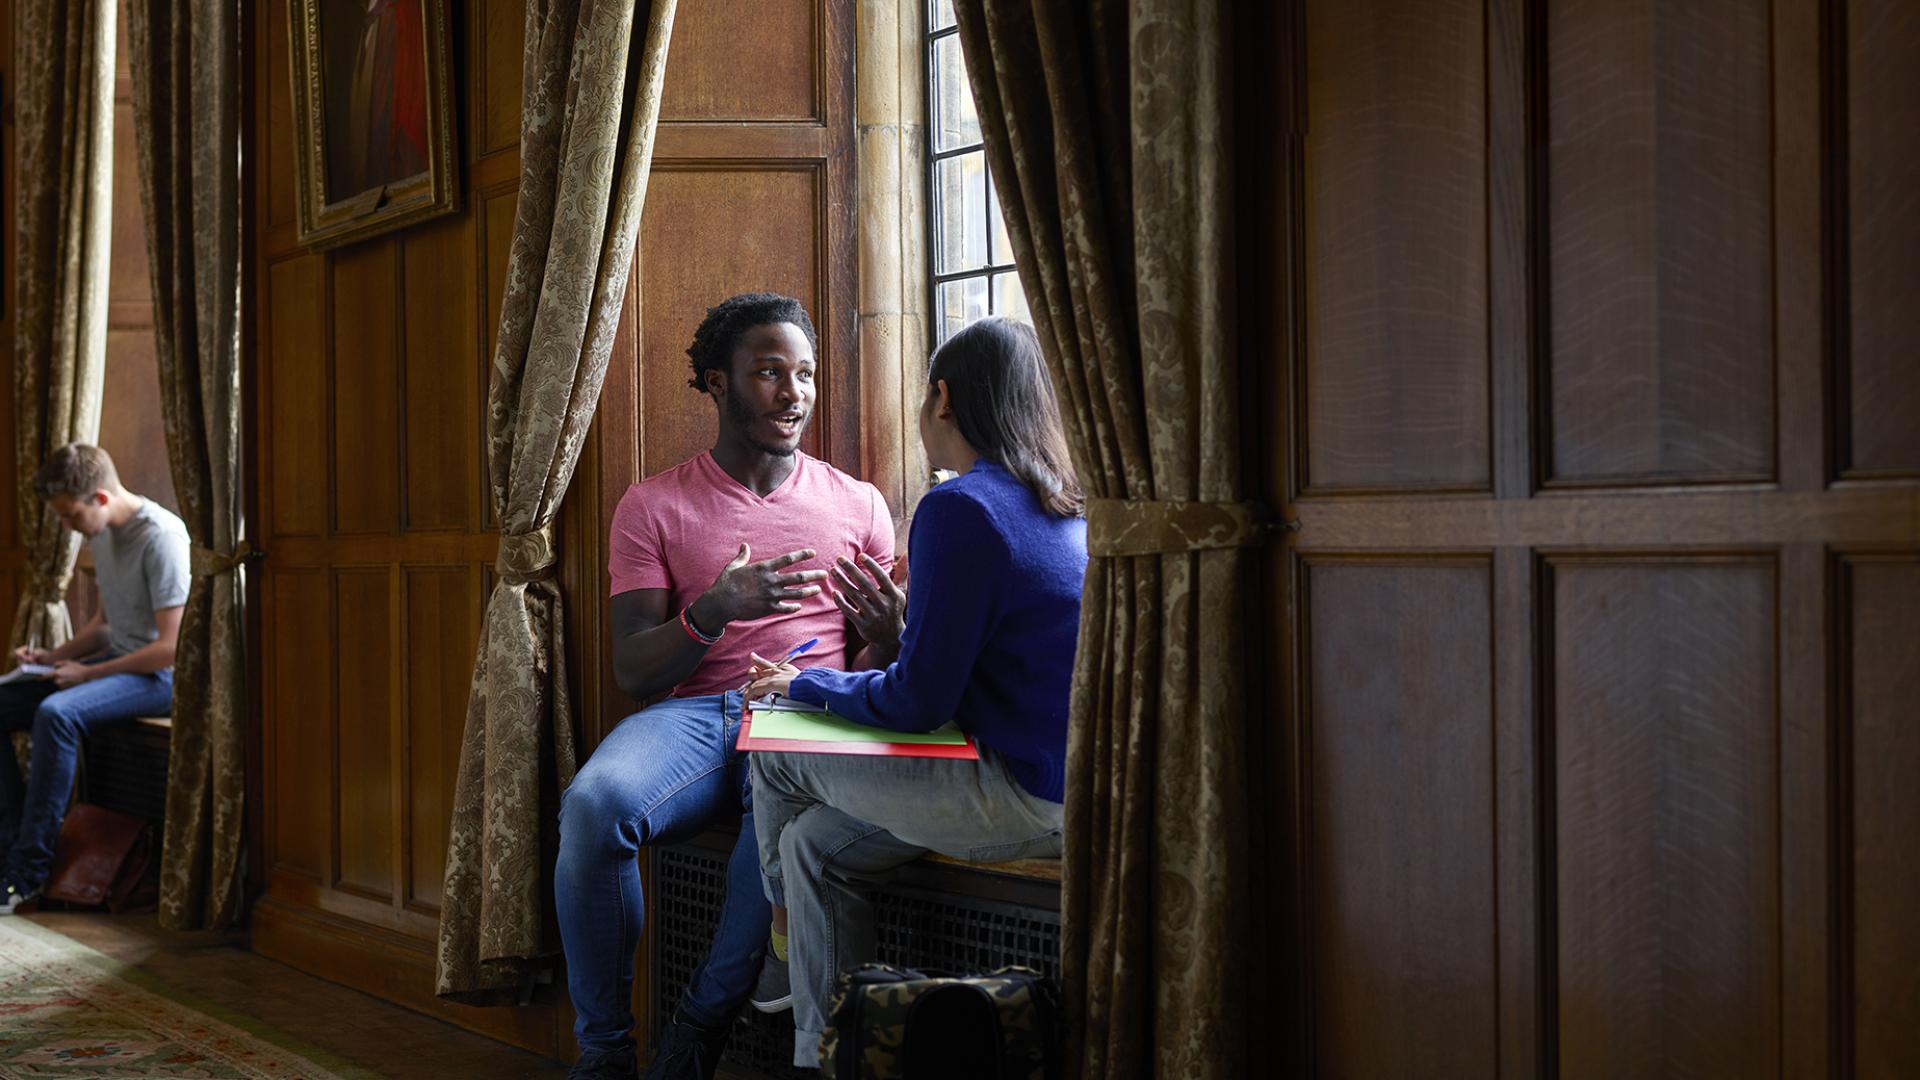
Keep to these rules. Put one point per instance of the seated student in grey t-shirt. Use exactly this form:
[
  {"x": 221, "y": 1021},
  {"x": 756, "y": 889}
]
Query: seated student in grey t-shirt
[{"x": 117, "y": 668}]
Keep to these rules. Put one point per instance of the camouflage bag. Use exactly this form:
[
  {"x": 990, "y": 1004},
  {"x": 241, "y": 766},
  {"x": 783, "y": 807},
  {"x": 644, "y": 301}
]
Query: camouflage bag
[{"x": 890, "y": 1023}]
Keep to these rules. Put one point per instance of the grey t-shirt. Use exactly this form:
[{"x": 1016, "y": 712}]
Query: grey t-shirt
[{"x": 142, "y": 567}]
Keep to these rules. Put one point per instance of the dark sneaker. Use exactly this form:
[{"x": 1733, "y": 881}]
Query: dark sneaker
[
  {"x": 774, "y": 992},
  {"x": 608, "y": 1065},
  {"x": 17, "y": 896},
  {"x": 687, "y": 1051}
]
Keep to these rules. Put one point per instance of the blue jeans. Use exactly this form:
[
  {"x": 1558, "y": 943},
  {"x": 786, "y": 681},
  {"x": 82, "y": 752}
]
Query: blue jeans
[
  {"x": 30, "y": 812},
  {"x": 663, "y": 776}
]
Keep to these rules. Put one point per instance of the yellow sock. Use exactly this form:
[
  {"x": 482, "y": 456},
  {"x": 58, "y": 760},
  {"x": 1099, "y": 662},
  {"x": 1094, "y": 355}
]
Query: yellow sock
[{"x": 780, "y": 946}]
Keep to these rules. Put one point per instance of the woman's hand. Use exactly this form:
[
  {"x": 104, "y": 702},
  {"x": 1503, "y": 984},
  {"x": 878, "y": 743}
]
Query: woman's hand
[
  {"x": 767, "y": 677},
  {"x": 871, "y": 601}
]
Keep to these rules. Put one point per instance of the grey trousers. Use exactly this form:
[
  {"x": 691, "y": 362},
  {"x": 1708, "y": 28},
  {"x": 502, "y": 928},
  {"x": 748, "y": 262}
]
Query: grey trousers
[{"x": 832, "y": 825}]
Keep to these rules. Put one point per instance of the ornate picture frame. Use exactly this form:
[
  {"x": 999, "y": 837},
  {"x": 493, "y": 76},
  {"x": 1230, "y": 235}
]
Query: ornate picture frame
[{"x": 373, "y": 117}]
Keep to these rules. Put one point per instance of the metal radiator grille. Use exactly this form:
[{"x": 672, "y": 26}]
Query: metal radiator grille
[{"x": 933, "y": 916}]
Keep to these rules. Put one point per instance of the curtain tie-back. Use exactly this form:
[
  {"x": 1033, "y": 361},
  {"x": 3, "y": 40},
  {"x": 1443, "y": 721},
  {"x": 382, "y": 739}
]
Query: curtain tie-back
[
  {"x": 527, "y": 557},
  {"x": 206, "y": 562},
  {"x": 1124, "y": 527},
  {"x": 48, "y": 588}
]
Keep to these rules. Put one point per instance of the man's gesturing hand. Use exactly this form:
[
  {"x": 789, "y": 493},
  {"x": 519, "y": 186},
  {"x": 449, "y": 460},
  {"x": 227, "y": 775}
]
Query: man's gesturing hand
[{"x": 753, "y": 590}]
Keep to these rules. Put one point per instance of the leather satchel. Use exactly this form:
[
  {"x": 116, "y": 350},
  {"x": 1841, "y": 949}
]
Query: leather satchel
[{"x": 102, "y": 858}]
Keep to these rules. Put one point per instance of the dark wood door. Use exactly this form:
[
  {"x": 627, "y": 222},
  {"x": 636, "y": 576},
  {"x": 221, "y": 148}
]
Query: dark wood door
[{"x": 1600, "y": 419}]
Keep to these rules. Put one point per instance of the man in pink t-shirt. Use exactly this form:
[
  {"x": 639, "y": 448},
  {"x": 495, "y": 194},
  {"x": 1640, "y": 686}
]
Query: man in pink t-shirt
[{"x": 718, "y": 558}]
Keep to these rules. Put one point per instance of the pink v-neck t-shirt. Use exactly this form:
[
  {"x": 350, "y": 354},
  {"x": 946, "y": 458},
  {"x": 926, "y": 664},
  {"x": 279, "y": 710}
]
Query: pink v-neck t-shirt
[{"x": 679, "y": 529}]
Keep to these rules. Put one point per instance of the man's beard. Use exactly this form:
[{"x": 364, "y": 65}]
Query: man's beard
[{"x": 742, "y": 416}]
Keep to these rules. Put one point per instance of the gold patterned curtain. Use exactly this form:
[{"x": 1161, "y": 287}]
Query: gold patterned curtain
[
  {"x": 590, "y": 96},
  {"x": 185, "y": 57},
  {"x": 1106, "y": 127},
  {"x": 63, "y": 219}
]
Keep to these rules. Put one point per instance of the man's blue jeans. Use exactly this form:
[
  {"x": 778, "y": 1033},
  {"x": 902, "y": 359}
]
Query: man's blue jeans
[
  {"x": 663, "y": 776},
  {"x": 30, "y": 812}
]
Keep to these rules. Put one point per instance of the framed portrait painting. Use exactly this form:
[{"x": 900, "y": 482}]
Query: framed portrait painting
[{"x": 373, "y": 117}]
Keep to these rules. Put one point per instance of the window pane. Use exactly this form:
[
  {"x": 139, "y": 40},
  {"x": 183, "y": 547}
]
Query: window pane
[
  {"x": 942, "y": 14},
  {"x": 1002, "y": 250},
  {"x": 960, "y": 303},
  {"x": 960, "y": 201},
  {"x": 1009, "y": 298},
  {"x": 954, "y": 121}
]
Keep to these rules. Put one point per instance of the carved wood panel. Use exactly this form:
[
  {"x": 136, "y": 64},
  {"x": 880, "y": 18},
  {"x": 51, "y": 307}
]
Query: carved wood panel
[
  {"x": 1670, "y": 738},
  {"x": 1401, "y": 780},
  {"x": 1658, "y": 217},
  {"x": 1662, "y": 718},
  {"x": 1880, "y": 878},
  {"x": 1881, "y": 219},
  {"x": 1396, "y": 334}
]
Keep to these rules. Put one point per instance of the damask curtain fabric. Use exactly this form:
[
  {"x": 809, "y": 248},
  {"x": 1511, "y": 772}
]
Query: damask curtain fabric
[
  {"x": 63, "y": 220},
  {"x": 185, "y": 58},
  {"x": 589, "y": 105},
  {"x": 1106, "y": 126}
]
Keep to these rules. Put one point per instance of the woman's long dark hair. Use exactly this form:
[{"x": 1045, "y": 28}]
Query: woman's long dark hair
[{"x": 1003, "y": 402}]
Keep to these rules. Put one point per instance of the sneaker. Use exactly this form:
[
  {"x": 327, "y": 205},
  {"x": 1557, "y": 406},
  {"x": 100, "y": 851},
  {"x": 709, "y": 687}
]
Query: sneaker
[
  {"x": 608, "y": 1065},
  {"x": 774, "y": 992},
  {"x": 687, "y": 1051},
  {"x": 17, "y": 896}
]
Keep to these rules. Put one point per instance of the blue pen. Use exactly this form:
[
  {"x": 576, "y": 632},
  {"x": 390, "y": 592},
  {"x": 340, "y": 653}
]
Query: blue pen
[
  {"x": 797, "y": 650},
  {"x": 791, "y": 653}
]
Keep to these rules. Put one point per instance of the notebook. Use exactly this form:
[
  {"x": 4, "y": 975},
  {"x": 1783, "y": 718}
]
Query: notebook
[{"x": 785, "y": 724}]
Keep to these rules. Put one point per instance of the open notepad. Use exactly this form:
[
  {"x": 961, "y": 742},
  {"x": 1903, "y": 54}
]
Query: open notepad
[
  {"x": 783, "y": 724},
  {"x": 25, "y": 672}
]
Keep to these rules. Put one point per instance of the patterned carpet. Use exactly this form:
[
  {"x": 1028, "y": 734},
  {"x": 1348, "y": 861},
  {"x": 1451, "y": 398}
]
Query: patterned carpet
[{"x": 68, "y": 1011}]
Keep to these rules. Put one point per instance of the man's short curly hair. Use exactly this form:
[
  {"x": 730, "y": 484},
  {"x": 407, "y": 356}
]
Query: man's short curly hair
[{"x": 720, "y": 331}]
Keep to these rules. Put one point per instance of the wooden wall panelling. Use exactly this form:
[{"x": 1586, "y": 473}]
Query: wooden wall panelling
[
  {"x": 1395, "y": 390},
  {"x": 363, "y": 730},
  {"x": 1808, "y": 950},
  {"x": 704, "y": 76},
  {"x": 299, "y": 702},
  {"x": 441, "y": 625},
  {"x": 372, "y": 449},
  {"x": 440, "y": 330},
  {"x": 497, "y": 56},
  {"x": 1693, "y": 847},
  {"x": 1662, "y": 719},
  {"x": 1524, "y": 919},
  {"x": 1879, "y": 750},
  {"x": 277, "y": 132},
  {"x": 1877, "y": 221},
  {"x": 293, "y": 385},
  {"x": 1400, "y": 769},
  {"x": 366, "y": 386},
  {"x": 752, "y": 228},
  {"x": 1658, "y": 223}
]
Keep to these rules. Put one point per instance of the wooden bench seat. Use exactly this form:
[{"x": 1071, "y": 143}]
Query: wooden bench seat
[{"x": 1031, "y": 869}]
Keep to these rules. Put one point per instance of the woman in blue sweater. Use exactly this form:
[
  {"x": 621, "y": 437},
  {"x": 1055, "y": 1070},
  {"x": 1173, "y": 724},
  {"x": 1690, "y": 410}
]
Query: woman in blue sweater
[{"x": 998, "y": 555}]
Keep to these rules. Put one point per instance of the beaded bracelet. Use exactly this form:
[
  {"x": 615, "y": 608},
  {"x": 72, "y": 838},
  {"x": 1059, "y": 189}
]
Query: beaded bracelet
[{"x": 694, "y": 631}]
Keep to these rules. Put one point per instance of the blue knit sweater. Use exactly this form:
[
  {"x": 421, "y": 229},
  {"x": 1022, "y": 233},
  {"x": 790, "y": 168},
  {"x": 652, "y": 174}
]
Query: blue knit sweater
[{"x": 993, "y": 609}]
